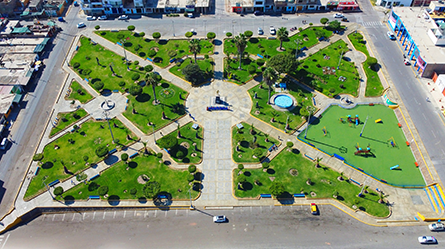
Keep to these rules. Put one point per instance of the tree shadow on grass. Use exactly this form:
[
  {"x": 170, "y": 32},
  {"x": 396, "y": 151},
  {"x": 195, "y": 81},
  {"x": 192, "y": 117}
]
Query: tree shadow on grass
[
  {"x": 132, "y": 164},
  {"x": 246, "y": 186},
  {"x": 69, "y": 199},
  {"x": 142, "y": 98},
  {"x": 286, "y": 198},
  {"x": 111, "y": 159},
  {"x": 142, "y": 200},
  {"x": 114, "y": 200},
  {"x": 270, "y": 171},
  {"x": 47, "y": 165}
]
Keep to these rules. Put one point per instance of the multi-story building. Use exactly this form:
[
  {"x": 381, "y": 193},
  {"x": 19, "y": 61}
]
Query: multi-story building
[
  {"x": 290, "y": 6},
  {"x": 10, "y": 7}
]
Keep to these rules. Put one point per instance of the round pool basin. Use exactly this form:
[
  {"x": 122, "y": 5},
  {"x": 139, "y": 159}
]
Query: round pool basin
[{"x": 283, "y": 101}]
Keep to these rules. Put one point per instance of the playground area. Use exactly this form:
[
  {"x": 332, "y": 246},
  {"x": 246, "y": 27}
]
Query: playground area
[{"x": 368, "y": 138}]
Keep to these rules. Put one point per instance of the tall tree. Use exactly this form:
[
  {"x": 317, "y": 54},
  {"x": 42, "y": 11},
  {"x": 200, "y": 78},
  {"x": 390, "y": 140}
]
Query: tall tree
[
  {"x": 195, "y": 47},
  {"x": 153, "y": 79},
  {"x": 269, "y": 76},
  {"x": 282, "y": 35},
  {"x": 240, "y": 43}
]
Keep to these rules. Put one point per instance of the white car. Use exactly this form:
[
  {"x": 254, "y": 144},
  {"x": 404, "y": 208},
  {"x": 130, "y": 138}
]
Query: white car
[
  {"x": 427, "y": 240},
  {"x": 391, "y": 35},
  {"x": 338, "y": 15},
  {"x": 219, "y": 219},
  {"x": 91, "y": 18},
  {"x": 272, "y": 30},
  {"x": 260, "y": 31},
  {"x": 81, "y": 25},
  {"x": 436, "y": 227},
  {"x": 122, "y": 17},
  {"x": 103, "y": 18}
]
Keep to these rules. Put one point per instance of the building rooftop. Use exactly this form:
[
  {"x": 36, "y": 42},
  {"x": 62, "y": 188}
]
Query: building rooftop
[
  {"x": 418, "y": 27},
  {"x": 6, "y": 100}
]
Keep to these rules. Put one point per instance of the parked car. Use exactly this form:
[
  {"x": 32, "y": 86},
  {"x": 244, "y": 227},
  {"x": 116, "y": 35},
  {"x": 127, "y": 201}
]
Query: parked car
[
  {"x": 391, "y": 35},
  {"x": 91, "y": 18},
  {"x": 407, "y": 62},
  {"x": 344, "y": 19},
  {"x": 257, "y": 13},
  {"x": 427, "y": 240},
  {"x": 436, "y": 227},
  {"x": 219, "y": 219},
  {"x": 260, "y": 31},
  {"x": 272, "y": 30},
  {"x": 122, "y": 17},
  {"x": 190, "y": 15},
  {"x": 103, "y": 18},
  {"x": 81, "y": 25},
  {"x": 314, "y": 209},
  {"x": 4, "y": 143},
  {"x": 338, "y": 15}
]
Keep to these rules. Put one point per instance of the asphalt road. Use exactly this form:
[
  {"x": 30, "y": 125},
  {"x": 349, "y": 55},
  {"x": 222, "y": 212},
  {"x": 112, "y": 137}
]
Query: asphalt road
[{"x": 257, "y": 227}]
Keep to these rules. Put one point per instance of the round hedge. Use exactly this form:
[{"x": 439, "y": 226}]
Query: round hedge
[
  {"x": 151, "y": 53},
  {"x": 103, "y": 190},
  {"x": 135, "y": 76},
  {"x": 248, "y": 33},
  {"x": 131, "y": 27},
  {"x": 124, "y": 157},
  {"x": 211, "y": 35},
  {"x": 101, "y": 151},
  {"x": 188, "y": 34},
  {"x": 76, "y": 64},
  {"x": 37, "y": 157},
  {"x": 192, "y": 168},
  {"x": 156, "y": 35},
  {"x": 98, "y": 85},
  {"x": 289, "y": 144},
  {"x": 228, "y": 34},
  {"x": 240, "y": 166},
  {"x": 58, "y": 191}
]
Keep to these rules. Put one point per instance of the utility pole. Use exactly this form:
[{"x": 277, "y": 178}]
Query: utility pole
[{"x": 190, "y": 194}]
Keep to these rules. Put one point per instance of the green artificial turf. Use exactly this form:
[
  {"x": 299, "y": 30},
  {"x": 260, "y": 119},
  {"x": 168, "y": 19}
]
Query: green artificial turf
[
  {"x": 86, "y": 56},
  {"x": 141, "y": 45},
  {"x": 84, "y": 142},
  {"x": 247, "y": 145},
  {"x": 324, "y": 183},
  {"x": 79, "y": 93},
  {"x": 122, "y": 177},
  {"x": 342, "y": 139},
  {"x": 267, "y": 112},
  {"x": 188, "y": 139},
  {"x": 206, "y": 65},
  {"x": 373, "y": 84},
  {"x": 70, "y": 119},
  {"x": 170, "y": 103}
]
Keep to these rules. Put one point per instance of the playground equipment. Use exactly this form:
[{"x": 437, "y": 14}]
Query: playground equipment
[
  {"x": 360, "y": 151},
  {"x": 324, "y": 131},
  {"x": 395, "y": 167},
  {"x": 378, "y": 121},
  {"x": 351, "y": 120},
  {"x": 392, "y": 142}
]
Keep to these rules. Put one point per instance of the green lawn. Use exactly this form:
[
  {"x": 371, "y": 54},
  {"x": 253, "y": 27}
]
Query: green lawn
[
  {"x": 373, "y": 84},
  {"x": 187, "y": 143},
  {"x": 247, "y": 145},
  {"x": 170, "y": 103},
  {"x": 206, "y": 65},
  {"x": 324, "y": 183},
  {"x": 266, "y": 112},
  {"x": 328, "y": 82},
  {"x": 122, "y": 177},
  {"x": 233, "y": 74},
  {"x": 268, "y": 47},
  {"x": 342, "y": 138},
  {"x": 79, "y": 93},
  {"x": 84, "y": 142},
  {"x": 67, "y": 119},
  {"x": 141, "y": 45},
  {"x": 86, "y": 56}
]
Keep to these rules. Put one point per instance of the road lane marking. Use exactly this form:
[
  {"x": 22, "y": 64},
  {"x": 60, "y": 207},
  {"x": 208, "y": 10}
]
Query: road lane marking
[
  {"x": 125, "y": 211},
  {"x": 103, "y": 218},
  {"x": 7, "y": 237},
  {"x": 83, "y": 216},
  {"x": 94, "y": 214},
  {"x": 145, "y": 214},
  {"x": 63, "y": 217},
  {"x": 156, "y": 212},
  {"x": 114, "y": 215},
  {"x": 166, "y": 213},
  {"x": 54, "y": 216},
  {"x": 251, "y": 209},
  {"x": 176, "y": 213},
  {"x": 74, "y": 215},
  {"x": 134, "y": 213}
]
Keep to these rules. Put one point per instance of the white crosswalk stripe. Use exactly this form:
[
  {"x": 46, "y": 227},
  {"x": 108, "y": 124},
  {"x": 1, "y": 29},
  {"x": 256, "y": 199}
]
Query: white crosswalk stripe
[{"x": 371, "y": 24}]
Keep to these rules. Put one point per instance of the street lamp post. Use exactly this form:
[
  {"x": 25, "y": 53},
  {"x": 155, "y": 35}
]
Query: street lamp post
[
  {"x": 109, "y": 126},
  {"x": 205, "y": 27},
  {"x": 173, "y": 24},
  {"x": 125, "y": 54},
  {"x": 190, "y": 195},
  {"x": 233, "y": 28}
]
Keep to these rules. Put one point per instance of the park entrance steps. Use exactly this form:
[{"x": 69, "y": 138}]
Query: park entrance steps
[{"x": 436, "y": 197}]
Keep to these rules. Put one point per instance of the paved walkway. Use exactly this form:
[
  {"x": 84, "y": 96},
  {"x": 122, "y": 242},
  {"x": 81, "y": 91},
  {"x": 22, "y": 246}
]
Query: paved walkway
[{"x": 217, "y": 165}]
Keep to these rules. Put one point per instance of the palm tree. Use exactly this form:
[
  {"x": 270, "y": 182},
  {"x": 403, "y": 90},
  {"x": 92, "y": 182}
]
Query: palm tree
[
  {"x": 240, "y": 43},
  {"x": 153, "y": 79},
  {"x": 195, "y": 47},
  {"x": 282, "y": 34},
  {"x": 269, "y": 76}
]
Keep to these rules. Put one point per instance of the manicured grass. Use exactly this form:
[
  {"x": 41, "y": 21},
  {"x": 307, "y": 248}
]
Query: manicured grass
[
  {"x": 85, "y": 140},
  {"x": 324, "y": 182},
  {"x": 70, "y": 117},
  {"x": 267, "y": 47},
  {"x": 170, "y": 103},
  {"x": 342, "y": 138},
  {"x": 267, "y": 112},
  {"x": 187, "y": 143},
  {"x": 141, "y": 45},
  {"x": 86, "y": 55},
  {"x": 79, "y": 93},
  {"x": 240, "y": 76},
  {"x": 247, "y": 144},
  {"x": 206, "y": 65},
  {"x": 373, "y": 84},
  {"x": 122, "y": 177},
  {"x": 328, "y": 82}
]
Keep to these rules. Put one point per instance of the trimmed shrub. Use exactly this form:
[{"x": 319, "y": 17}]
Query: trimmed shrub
[
  {"x": 248, "y": 33},
  {"x": 101, "y": 151},
  {"x": 135, "y": 76},
  {"x": 190, "y": 178},
  {"x": 151, "y": 53},
  {"x": 228, "y": 34},
  {"x": 260, "y": 62},
  {"x": 251, "y": 69},
  {"x": 211, "y": 35},
  {"x": 265, "y": 165},
  {"x": 136, "y": 63},
  {"x": 97, "y": 27},
  {"x": 124, "y": 157},
  {"x": 58, "y": 191},
  {"x": 133, "y": 191},
  {"x": 142, "y": 34},
  {"x": 148, "y": 68},
  {"x": 76, "y": 64},
  {"x": 159, "y": 155},
  {"x": 122, "y": 83},
  {"x": 38, "y": 157},
  {"x": 188, "y": 34},
  {"x": 103, "y": 190},
  {"x": 156, "y": 35},
  {"x": 98, "y": 85},
  {"x": 180, "y": 154},
  {"x": 192, "y": 168},
  {"x": 258, "y": 152},
  {"x": 240, "y": 166},
  {"x": 120, "y": 36},
  {"x": 135, "y": 90},
  {"x": 289, "y": 144},
  {"x": 131, "y": 27}
]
